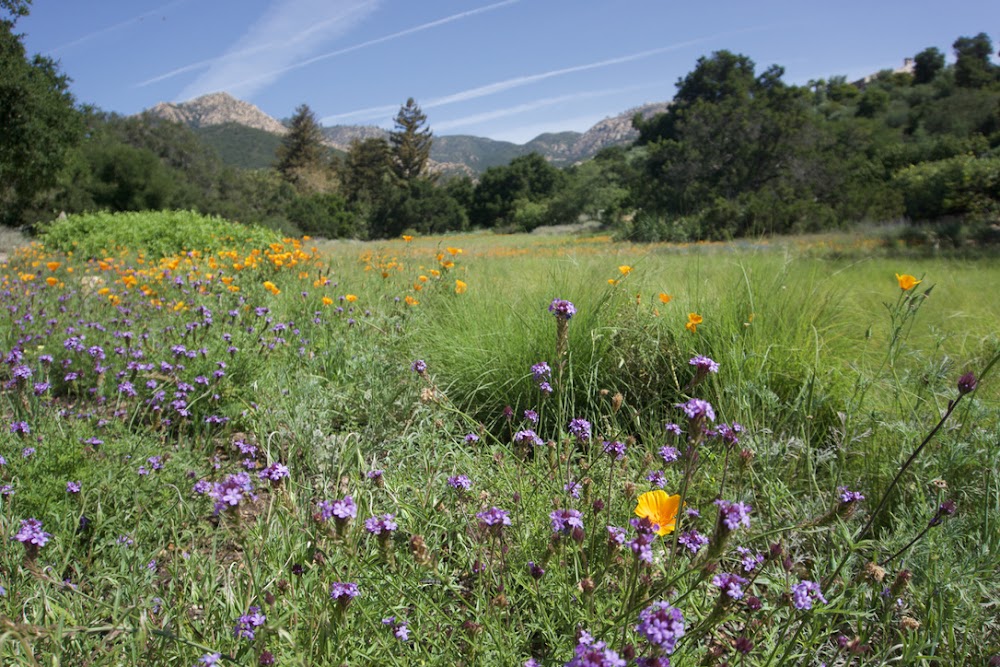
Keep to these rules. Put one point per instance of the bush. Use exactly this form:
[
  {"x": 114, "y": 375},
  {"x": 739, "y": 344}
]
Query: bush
[
  {"x": 962, "y": 185},
  {"x": 153, "y": 233}
]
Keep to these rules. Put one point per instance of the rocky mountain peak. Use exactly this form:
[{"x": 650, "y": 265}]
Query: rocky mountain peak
[{"x": 217, "y": 109}]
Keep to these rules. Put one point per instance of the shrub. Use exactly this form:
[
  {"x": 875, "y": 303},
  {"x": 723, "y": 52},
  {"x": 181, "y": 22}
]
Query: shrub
[
  {"x": 154, "y": 233},
  {"x": 961, "y": 185}
]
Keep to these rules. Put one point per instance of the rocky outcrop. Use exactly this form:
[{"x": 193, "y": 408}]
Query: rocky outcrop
[{"x": 217, "y": 109}]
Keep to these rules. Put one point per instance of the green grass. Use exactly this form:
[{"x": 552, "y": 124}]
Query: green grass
[{"x": 825, "y": 399}]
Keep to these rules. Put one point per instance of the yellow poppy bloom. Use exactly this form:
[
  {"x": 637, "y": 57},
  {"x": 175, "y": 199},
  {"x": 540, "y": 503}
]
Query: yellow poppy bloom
[
  {"x": 625, "y": 269},
  {"x": 410, "y": 301},
  {"x": 52, "y": 266},
  {"x": 665, "y": 298},
  {"x": 453, "y": 251},
  {"x": 660, "y": 509},
  {"x": 612, "y": 282},
  {"x": 460, "y": 287},
  {"x": 327, "y": 301},
  {"x": 407, "y": 238},
  {"x": 907, "y": 282},
  {"x": 350, "y": 298},
  {"x": 694, "y": 319}
]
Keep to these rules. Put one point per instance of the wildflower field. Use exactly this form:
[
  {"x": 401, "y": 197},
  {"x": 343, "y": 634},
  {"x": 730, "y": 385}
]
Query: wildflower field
[{"x": 223, "y": 447}]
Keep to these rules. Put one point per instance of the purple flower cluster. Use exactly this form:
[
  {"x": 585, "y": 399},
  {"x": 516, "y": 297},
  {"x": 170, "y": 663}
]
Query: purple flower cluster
[
  {"x": 733, "y": 515},
  {"x": 669, "y": 454},
  {"x": 704, "y": 365},
  {"x": 248, "y": 623},
  {"x": 494, "y": 517},
  {"x": 564, "y": 521},
  {"x": 419, "y": 366},
  {"x": 590, "y": 653},
  {"x": 693, "y": 540},
  {"x": 645, "y": 534},
  {"x": 615, "y": 449},
  {"x": 274, "y": 472},
  {"x": 562, "y": 309},
  {"x": 729, "y": 434},
  {"x": 847, "y": 496},
  {"x": 229, "y": 493},
  {"x": 731, "y": 584},
  {"x": 749, "y": 558},
  {"x": 378, "y": 525},
  {"x": 399, "y": 629},
  {"x": 541, "y": 373},
  {"x": 31, "y": 533},
  {"x": 580, "y": 428},
  {"x": 805, "y": 593},
  {"x": 343, "y": 592},
  {"x": 661, "y": 625},
  {"x": 460, "y": 482},
  {"x": 696, "y": 409},
  {"x": 528, "y": 437},
  {"x": 657, "y": 478},
  {"x": 341, "y": 510}
]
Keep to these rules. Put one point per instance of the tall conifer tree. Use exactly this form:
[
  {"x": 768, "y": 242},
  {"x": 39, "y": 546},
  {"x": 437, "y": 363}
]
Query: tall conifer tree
[
  {"x": 302, "y": 148},
  {"x": 411, "y": 142}
]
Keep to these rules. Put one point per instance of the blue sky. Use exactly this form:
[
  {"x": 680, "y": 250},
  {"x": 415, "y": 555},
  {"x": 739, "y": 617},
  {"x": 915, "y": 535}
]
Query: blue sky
[{"x": 506, "y": 69}]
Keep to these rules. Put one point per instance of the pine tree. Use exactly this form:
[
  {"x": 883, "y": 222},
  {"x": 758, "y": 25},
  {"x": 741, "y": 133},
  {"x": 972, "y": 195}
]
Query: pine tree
[
  {"x": 301, "y": 150},
  {"x": 411, "y": 142}
]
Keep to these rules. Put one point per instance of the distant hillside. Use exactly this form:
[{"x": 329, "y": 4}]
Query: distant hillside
[
  {"x": 246, "y": 137},
  {"x": 241, "y": 146}
]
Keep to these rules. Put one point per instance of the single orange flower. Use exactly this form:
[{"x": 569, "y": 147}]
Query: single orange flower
[
  {"x": 625, "y": 269},
  {"x": 907, "y": 282},
  {"x": 665, "y": 298},
  {"x": 350, "y": 298},
  {"x": 407, "y": 238},
  {"x": 694, "y": 319},
  {"x": 660, "y": 509}
]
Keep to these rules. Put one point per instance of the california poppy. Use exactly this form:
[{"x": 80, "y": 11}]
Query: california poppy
[{"x": 660, "y": 509}]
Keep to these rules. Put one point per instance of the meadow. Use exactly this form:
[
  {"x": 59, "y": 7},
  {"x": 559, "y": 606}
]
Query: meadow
[{"x": 224, "y": 447}]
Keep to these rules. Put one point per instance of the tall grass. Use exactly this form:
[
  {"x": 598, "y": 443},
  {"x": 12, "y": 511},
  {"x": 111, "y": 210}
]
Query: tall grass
[{"x": 321, "y": 382}]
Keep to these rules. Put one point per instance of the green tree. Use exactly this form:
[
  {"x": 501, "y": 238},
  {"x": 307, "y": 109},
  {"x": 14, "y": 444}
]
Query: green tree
[
  {"x": 411, "y": 142},
  {"x": 528, "y": 178},
  {"x": 927, "y": 64},
  {"x": 973, "y": 68},
  {"x": 301, "y": 151},
  {"x": 38, "y": 121}
]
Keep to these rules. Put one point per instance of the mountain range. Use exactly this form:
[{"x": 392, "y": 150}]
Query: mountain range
[{"x": 246, "y": 137}]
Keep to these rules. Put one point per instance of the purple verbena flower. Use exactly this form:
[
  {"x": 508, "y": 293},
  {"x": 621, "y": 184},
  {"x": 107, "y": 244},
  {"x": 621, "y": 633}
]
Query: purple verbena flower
[
  {"x": 494, "y": 517},
  {"x": 72, "y": 487},
  {"x": 343, "y": 592},
  {"x": 564, "y": 521},
  {"x": 704, "y": 365},
  {"x": 377, "y": 525},
  {"x": 541, "y": 371},
  {"x": 274, "y": 472},
  {"x": 460, "y": 482},
  {"x": 698, "y": 409},
  {"x": 750, "y": 559},
  {"x": 805, "y": 593},
  {"x": 31, "y": 533},
  {"x": 657, "y": 478},
  {"x": 669, "y": 454},
  {"x": 528, "y": 437},
  {"x": 733, "y": 515},
  {"x": 590, "y": 653},
  {"x": 580, "y": 428},
  {"x": 562, "y": 309},
  {"x": 661, "y": 625},
  {"x": 615, "y": 449},
  {"x": 419, "y": 366},
  {"x": 731, "y": 584},
  {"x": 693, "y": 540},
  {"x": 847, "y": 496},
  {"x": 248, "y": 623}
]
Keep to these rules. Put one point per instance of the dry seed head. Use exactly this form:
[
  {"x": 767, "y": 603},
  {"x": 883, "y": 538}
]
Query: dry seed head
[
  {"x": 909, "y": 623},
  {"x": 874, "y": 573}
]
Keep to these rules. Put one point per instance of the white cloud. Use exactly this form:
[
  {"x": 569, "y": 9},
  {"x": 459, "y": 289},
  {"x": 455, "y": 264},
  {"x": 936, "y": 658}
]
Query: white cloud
[
  {"x": 517, "y": 82},
  {"x": 532, "y": 106},
  {"x": 288, "y": 30},
  {"x": 271, "y": 73}
]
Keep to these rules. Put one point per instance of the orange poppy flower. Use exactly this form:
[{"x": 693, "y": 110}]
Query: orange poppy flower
[{"x": 660, "y": 509}]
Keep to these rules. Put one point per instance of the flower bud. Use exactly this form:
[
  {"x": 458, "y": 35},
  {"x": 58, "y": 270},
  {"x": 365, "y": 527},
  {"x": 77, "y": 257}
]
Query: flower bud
[{"x": 967, "y": 383}]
